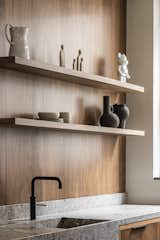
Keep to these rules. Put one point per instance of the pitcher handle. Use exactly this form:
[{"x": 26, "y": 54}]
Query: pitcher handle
[{"x": 6, "y": 33}]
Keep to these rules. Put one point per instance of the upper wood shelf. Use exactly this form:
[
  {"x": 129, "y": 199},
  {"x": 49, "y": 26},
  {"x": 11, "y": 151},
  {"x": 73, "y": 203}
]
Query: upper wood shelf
[
  {"x": 67, "y": 75},
  {"x": 24, "y": 122}
]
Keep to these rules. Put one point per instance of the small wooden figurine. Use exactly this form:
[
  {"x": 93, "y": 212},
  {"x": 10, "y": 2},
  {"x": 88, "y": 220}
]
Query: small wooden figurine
[
  {"x": 78, "y": 60},
  {"x": 62, "y": 57},
  {"x": 74, "y": 64},
  {"x": 81, "y": 64}
]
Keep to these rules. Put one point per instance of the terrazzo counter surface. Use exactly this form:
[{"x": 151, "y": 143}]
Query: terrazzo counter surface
[{"x": 46, "y": 228}]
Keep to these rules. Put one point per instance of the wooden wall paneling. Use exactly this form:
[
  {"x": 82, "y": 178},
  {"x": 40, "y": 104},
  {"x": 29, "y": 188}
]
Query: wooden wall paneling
[{"x": 87, "y": 164}]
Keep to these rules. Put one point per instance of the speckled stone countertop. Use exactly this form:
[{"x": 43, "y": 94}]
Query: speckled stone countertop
[{"x": 45, "y": 228}]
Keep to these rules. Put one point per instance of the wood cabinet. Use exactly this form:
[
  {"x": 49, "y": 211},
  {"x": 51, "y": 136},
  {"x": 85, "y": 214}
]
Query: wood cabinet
[
  {"x": 148, "y": 232},
  {"x": 145, "y": 230}
]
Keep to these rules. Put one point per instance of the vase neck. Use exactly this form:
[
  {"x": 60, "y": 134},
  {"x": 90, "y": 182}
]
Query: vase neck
[{"x": 106, "y": 106}]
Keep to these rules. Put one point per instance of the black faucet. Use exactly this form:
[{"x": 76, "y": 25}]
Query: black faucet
[{"x": 33, "y": 198}]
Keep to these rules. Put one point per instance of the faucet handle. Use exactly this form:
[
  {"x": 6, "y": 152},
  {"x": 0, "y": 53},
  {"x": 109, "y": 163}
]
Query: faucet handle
[{"x": 42, "y": 205}]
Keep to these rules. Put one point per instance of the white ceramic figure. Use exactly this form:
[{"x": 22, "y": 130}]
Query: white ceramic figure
[{"x": 123, "y": 67}]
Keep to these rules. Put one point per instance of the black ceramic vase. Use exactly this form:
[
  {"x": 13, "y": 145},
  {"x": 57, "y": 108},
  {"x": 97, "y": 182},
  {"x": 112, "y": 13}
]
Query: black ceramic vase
[
  {"x": 123, "y": 113},
  {"x": 108, "y": 118}
]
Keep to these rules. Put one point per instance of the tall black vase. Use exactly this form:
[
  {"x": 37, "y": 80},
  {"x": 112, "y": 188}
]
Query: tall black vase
[{"x": 108, "y": 118}]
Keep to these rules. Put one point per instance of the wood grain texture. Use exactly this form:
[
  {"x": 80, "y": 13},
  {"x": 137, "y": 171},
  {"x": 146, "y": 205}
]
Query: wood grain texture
[
  {"x": 158, "y": 231},
  {"x": 68, "y": 127},
  {"x": 87, "y": 164},
  {"x": 139, "y": 224},
  {"x": 148, "y": 232},
  {"x": 68, "y": 75},
  {"x": 143, "y": 230}
]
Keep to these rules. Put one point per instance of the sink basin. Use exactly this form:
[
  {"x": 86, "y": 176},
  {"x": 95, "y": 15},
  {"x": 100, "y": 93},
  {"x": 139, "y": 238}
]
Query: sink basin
[
  {"x": 76, "y": 222},
  {"x": 62, "y": 223},
  {"x": 59, "y": 223}
]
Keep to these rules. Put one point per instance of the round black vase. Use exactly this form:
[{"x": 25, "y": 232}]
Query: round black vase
[
  {"x": 123, "y": 113},
  {"x": 108, "y": 118}
]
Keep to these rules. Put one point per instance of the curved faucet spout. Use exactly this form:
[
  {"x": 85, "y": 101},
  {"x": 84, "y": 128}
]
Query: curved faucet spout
[{"x": 33, "y": 198}]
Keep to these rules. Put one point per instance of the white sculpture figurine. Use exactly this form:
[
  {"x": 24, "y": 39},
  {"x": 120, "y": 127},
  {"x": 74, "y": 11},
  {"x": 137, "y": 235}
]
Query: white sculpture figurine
[{"x": 123, "y": 67}]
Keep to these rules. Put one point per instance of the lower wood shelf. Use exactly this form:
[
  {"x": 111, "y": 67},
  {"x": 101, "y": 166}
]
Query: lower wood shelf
[{"x": 24, "y": 122}]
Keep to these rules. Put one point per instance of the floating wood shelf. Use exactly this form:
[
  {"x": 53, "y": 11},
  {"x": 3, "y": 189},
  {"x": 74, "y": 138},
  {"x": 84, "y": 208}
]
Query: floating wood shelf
[
  {"x": 24, "y": 122},
  {"x": 67, "y": 75}
]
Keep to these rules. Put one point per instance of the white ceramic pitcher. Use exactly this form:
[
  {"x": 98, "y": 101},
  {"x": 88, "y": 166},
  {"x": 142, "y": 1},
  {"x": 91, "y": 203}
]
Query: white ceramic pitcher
[{"x": 18, "y": 40}]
